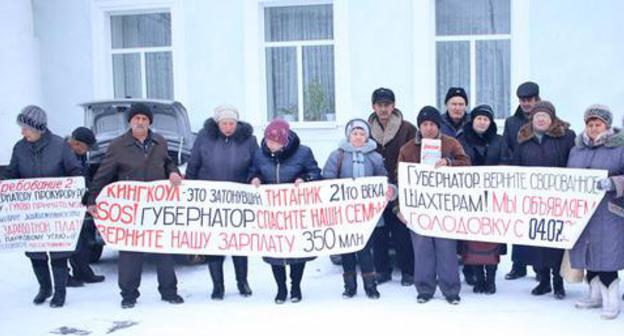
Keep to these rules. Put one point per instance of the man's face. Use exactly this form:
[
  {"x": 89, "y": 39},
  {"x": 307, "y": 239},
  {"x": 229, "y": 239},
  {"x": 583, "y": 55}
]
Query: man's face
[
  {"x": 78, "y": 147},
  {"x": 526, "y": 104},
  {"x": 456, "y": 108},
  {"x": 428, "y": 130},
  {"x": 383, "y": 110},
  {"x": 139, "y": 125}
]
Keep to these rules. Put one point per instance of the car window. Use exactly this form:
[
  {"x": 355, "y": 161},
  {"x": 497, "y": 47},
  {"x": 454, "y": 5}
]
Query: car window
[
  {"x": 108, "y": 121},
  {"x": 166, "y": 122}
]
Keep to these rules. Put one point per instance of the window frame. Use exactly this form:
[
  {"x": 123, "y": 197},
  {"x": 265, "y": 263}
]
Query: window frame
[
  {"x": 298, "y": 45},
  {"x": 425, "y": 38},
  {"x": 142, "y": 51},
  {"x": 101, "y": 13}
]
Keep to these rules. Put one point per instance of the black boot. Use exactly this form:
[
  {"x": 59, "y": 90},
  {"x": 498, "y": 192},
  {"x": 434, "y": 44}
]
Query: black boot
[
  {"x": 279, "y": 273},
  {"x": 490, "y": 279},
  {"x": 517, "y": 271},
  {"x": 296, "y": 274},
  {"x": 557, "y": 282},
  {"x": 370, "y": 286},
  {"x": 216, "y": 273},
  {"x": 544, "y": 285},
  {"x": 240, "y": 268},
  {"x": 479, "y": 274},
  {"x": 469, "y": 275},
  {"x": 60, "y": 275},
  {"x": 350, "y": 285},
  {"x": 42, "y": 272}
]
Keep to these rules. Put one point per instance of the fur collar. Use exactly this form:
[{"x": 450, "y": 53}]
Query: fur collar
[
  {"x": 473, "y": 138},
  {"x": 557, "y": 129},
  {"x": 418, "y": 138},
  {"x": 613, "y": 140},
  {"x": 381, "y": 135},
  {"x": 242, "y": 133}
]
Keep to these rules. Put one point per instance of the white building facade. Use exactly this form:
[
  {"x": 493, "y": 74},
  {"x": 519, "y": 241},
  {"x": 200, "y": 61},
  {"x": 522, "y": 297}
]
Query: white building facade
[{"x": 312, "y": 62}]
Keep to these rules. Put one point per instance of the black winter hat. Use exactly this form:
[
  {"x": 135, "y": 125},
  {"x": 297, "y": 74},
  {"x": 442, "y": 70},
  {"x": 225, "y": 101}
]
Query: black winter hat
[
  {"x": 140, "y": 108},
  {"x": 528, "y": 90},
  {"x": 456, "y": 92},
  {"x": 382, "y": 95},
  {"x": 429, "y": 113},
  {"x": 84, "y": 135},
  {"x": 482, "y": 110}
]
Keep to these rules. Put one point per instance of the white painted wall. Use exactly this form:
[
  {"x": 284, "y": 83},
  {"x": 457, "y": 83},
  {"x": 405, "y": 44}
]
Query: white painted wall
[
  {"x": 576, "y": 53},
  {"x": 19, "y": 70},
  {"x": 64, "y": 35}
]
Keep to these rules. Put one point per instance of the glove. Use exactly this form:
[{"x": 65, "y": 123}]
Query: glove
[{"x": 605, "y": 184}]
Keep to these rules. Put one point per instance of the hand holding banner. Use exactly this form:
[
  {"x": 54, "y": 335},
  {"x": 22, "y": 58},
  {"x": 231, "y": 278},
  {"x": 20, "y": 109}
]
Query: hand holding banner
[
  {"x": 536, "y": 206},
  {"x": 41, "y": 214},
  {"x": 208, "y": 217}
]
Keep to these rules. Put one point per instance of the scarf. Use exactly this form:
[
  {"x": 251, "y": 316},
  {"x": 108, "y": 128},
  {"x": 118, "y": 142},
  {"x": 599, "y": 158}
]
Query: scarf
[{"x": 358, "y": 156}]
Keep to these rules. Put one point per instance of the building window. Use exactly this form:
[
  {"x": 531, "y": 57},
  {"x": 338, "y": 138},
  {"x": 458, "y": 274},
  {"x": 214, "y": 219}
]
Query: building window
[
  {"x": 142, "y": 55},
  {"x": 473, "y": 51},
  {"x": 299, "y": 60}
]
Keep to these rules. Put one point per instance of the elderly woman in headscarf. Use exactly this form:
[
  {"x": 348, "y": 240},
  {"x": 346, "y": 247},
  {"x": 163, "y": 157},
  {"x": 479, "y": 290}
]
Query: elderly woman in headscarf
[{"x": 356, "y": 157}]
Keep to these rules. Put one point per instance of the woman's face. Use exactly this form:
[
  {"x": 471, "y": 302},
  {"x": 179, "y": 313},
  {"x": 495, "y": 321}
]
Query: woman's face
[
  {"x": 541, "y": 121},
  {"x": 481, "y": 124},
  {"x": 274, "y": 146},
  {"x": 357, "y": 138},
  {"x": 30, "y": 134},
  {"x": 227, "y": 126},
  {"x": 594, "y": 127}
]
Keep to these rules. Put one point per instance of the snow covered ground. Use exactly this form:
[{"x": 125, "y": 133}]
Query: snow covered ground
[{"x": 94, "y": 309}]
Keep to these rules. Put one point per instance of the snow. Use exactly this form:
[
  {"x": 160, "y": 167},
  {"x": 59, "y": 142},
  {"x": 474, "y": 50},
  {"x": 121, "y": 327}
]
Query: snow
[{"x": 95, "y": 308}]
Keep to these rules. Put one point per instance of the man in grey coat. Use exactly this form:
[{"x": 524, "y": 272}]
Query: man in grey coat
[{"x": 138, "y": 155}]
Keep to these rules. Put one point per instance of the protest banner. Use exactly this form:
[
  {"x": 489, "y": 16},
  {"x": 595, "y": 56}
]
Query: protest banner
[
  {"x": 535, "y": 206},
  {"x": 41, "y": 214},
  {"x": 209, "y": 217}
]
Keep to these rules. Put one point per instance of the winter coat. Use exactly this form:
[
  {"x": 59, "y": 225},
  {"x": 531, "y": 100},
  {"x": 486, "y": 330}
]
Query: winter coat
[
  {"x": 451, "y": 150},
  {"x": 551, "y": 151},
  {"x": 343, "y": 157},
  {"x": 127, "y": 160},
  {"x": 449, "y": 128},
  {"x": 512, "y": 127},
  {"x": 340, "y": 163},
  {"x": 389, "y": 140},
  {"x": 600, "y": 248},
  {"x": 215, "y": 157},
  {"x": 487, "y": 149},
  {"x": 292, "y": 162},
  {"x": 50, "y": 156}
]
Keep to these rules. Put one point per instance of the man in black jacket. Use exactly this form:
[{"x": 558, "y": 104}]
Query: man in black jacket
[
  {"x": 528, "y": 96},
  {"x": 138, "y": 155},
  {"x": 81, "y": 141}
]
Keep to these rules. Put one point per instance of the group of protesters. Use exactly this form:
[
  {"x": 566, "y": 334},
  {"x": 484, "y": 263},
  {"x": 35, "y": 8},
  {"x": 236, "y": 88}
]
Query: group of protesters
[{"x": 227, "y": 150}]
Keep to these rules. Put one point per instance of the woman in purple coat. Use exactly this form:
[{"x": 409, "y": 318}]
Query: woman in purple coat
[{"x": 600, "y": 248}]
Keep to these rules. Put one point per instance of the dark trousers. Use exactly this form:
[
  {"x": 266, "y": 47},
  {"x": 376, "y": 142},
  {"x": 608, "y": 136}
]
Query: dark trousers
[
  {"x": 79, "y": 261},
  {"x": 131, "y": 267},
  {"x": 240, "y": 265},
  {"x": 364, "y": 257},
  {"x": 400, "y": 234},
  {"x": 605, "y": 277},
  {"x": 296, "y": 274},
  {"x": 42, "y": 272}
]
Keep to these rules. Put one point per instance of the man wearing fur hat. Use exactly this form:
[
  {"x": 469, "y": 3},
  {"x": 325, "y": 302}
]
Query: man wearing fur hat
[
  {"x": 435, "y": 260},
  {"x": 391, "y": 131},
  {"x": 138, "y": 155}
]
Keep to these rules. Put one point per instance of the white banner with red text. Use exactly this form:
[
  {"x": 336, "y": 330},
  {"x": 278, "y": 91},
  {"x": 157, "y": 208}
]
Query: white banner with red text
[
  {"x": 224, "y": 218},
  {"x": 535, "y": 206}
]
